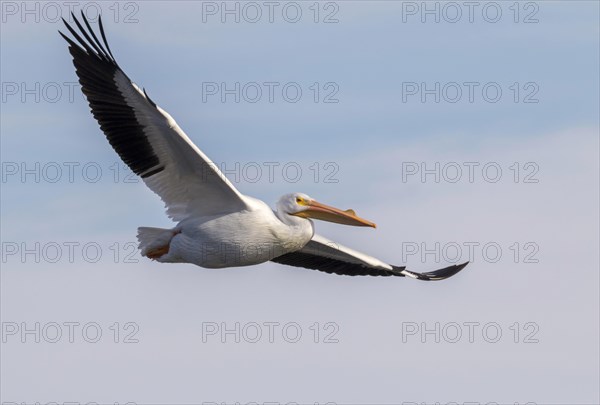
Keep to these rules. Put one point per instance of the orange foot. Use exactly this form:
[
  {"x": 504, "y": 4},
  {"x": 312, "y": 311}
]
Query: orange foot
[{"x": 157, "y": 253}]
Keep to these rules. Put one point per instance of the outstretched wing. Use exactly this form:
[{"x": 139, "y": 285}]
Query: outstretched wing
[
  {"x": 145, "y": 136},
  {"x": 324, "y": 255}
]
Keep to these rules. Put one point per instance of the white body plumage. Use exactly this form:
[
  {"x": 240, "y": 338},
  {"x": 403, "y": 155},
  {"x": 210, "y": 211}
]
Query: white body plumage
[{"x": 242, "y": 238}]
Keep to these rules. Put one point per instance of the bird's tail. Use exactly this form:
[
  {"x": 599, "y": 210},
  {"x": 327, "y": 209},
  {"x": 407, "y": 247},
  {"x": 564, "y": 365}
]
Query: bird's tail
[{"x": 155, "y": 242}]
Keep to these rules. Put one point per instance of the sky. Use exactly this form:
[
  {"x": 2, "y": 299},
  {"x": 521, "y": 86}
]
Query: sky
[{"x": 465, "y": 130}]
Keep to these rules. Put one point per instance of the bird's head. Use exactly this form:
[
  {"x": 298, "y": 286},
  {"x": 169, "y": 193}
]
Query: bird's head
[{"x": 301, "y": 205}]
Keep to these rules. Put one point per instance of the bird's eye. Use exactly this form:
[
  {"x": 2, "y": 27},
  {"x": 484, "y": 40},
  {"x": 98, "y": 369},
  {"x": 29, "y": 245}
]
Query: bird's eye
[{"x": 298, "y": 200}]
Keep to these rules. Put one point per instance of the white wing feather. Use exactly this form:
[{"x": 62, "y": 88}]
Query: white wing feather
[{"x": 190, "y": 182}]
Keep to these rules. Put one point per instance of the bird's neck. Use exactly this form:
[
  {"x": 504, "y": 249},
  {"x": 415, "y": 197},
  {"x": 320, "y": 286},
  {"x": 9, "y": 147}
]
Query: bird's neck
[
  {"x": 298, "y": 229},
  {"x": 292, "y": 220}
]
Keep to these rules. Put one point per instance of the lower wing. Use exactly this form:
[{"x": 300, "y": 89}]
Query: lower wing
[{"x": 324, "y": 255}]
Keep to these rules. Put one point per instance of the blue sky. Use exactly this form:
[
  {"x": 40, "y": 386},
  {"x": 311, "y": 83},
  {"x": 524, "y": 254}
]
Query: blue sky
[{"x": 542, "y": 210}]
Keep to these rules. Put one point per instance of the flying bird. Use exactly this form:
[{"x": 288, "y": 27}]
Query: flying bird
[{"x": 217, "y": 226}]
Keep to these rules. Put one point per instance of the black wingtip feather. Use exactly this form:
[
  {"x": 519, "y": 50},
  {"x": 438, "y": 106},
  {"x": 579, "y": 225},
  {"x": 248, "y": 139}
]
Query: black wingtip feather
[
  {"x": 97, "y": 71},
  {"x": 104, "y": 36},
  {"x": 85, "y": 34},
  {"x": 95, "y": 42},
  {"x": 440, "y": 274}
]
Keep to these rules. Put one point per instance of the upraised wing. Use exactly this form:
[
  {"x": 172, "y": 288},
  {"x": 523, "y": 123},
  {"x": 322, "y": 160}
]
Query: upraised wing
[
  {"x": 145, "y": 136},
  {"x": 324, "y": 255}
]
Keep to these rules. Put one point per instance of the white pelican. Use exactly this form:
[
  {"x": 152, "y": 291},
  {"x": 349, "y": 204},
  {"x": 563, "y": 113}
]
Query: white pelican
[{"x": 217, "y": 226}]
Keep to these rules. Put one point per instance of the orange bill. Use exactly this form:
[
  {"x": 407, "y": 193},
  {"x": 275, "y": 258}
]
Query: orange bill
[{"x": 316, "y": 210}]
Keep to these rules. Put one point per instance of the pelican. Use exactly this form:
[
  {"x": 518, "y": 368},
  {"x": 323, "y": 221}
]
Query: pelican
[{"x": 217, "y": 226}]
